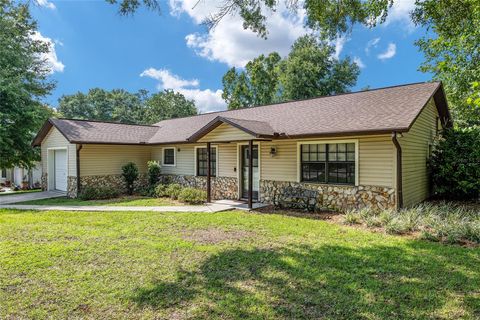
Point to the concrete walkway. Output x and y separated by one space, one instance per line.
217 206
14 198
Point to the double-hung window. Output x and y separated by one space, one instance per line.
202 164
328 163
4 173
168 157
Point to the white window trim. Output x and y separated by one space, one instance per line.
239 169
195 159
174 157
299 162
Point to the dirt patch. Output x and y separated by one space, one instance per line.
216 235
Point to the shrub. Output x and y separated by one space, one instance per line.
373 221
153 171
192 196
130 174
173 190
396 226
352 217
98 193
455 164
161 191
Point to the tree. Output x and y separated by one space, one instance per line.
167 105
23 82
130 175
309 70
255 86
122 106
451 43
453 54
98 104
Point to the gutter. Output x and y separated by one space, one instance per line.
399 173
80 146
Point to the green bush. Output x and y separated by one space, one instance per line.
161 191
173 190
130 174
98 193
455 164
192 196
153 171
353 217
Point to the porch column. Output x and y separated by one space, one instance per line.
250 174
209 193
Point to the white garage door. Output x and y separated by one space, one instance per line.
61 170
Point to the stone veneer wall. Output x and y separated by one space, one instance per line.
222 187
113 181
335 197
71 185
44 182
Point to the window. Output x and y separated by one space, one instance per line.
328 163
202 161
169 156
4 173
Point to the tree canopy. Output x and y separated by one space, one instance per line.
309 70
122 106
23 82
451 44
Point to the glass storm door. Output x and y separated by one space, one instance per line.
256 178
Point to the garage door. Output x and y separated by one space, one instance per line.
61 170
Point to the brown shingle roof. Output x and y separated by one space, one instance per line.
366 112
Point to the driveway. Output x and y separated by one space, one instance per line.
14 198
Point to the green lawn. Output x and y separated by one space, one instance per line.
122 201
19 192
230 265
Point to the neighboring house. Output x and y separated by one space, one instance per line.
18 175
359 149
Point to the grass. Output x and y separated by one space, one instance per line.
230 265
442 221
19 192
122 201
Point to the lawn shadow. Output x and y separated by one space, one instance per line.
330 281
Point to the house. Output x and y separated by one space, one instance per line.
360 149
17 175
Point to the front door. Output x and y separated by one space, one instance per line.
244 178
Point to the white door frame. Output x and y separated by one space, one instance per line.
239 168
51 166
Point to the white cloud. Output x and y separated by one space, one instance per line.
400 12
206 100
389 53
339 44
50 58
359 62
371 44
229 42
45 4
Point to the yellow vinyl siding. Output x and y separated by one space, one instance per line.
415 148
54 139
227 160
185 159
225 132
376 160
109 159
281 167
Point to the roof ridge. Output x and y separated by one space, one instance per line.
305 99
112 122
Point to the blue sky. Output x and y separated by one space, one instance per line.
93 46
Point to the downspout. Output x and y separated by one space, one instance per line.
398 171
80 146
